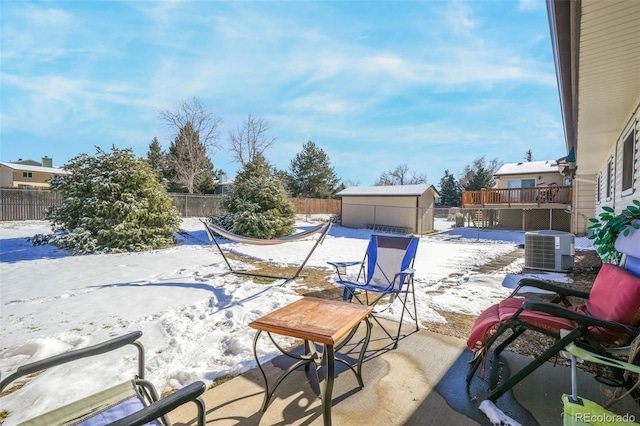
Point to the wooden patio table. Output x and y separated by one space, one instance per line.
327 322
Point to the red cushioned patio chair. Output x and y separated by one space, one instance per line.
608 318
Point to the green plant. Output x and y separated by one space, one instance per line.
609 225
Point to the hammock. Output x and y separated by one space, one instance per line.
260 242
213 230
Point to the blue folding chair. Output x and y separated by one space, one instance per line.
386 270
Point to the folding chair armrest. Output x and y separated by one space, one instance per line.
408 271
560 311
165 405
345 264
549 286
599 359
97 349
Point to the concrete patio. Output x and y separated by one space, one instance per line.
422 382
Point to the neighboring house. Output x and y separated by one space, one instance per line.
24 174
400 207
596 47
535 186
223 185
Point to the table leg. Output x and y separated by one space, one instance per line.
326 386
363 350
305 360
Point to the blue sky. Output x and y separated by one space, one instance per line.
375 84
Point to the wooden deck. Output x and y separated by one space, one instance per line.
537 197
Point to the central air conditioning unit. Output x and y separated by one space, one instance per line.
549 250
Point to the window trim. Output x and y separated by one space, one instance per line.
628 162
610 178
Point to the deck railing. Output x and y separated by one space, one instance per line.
538 196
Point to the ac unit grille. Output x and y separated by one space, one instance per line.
549 250
539 252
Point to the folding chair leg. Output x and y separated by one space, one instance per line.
405 307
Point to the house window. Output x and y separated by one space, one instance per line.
609 178
628 154
27 174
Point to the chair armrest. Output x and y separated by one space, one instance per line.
165 405
341 267
562 312
549 286
345 264
408 271
599 359
97 349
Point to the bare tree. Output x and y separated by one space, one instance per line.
205 123
250 140
197 132
401 176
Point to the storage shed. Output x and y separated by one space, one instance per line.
397 208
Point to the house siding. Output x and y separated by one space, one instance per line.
620 199
542 179
584 203
12 176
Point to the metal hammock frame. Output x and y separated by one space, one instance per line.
213 230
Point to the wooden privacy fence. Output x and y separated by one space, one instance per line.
30 204
26 204
316 206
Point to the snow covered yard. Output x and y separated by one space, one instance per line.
193 314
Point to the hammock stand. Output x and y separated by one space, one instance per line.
213 230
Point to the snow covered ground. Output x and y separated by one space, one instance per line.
193 315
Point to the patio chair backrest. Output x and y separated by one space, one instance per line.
615 295
629 245
388 256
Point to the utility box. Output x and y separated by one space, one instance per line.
549 250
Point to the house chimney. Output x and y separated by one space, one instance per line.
47 162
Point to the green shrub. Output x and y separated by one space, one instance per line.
258 204
111 202
609 225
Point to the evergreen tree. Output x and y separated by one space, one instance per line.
157 159
479 173
528 157
189 167
481 179
258 204
112 202
450 191
311 174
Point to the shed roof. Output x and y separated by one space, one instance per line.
549 166
28 168
388 190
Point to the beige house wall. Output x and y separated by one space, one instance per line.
6 176
15 178
545 179
584 204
